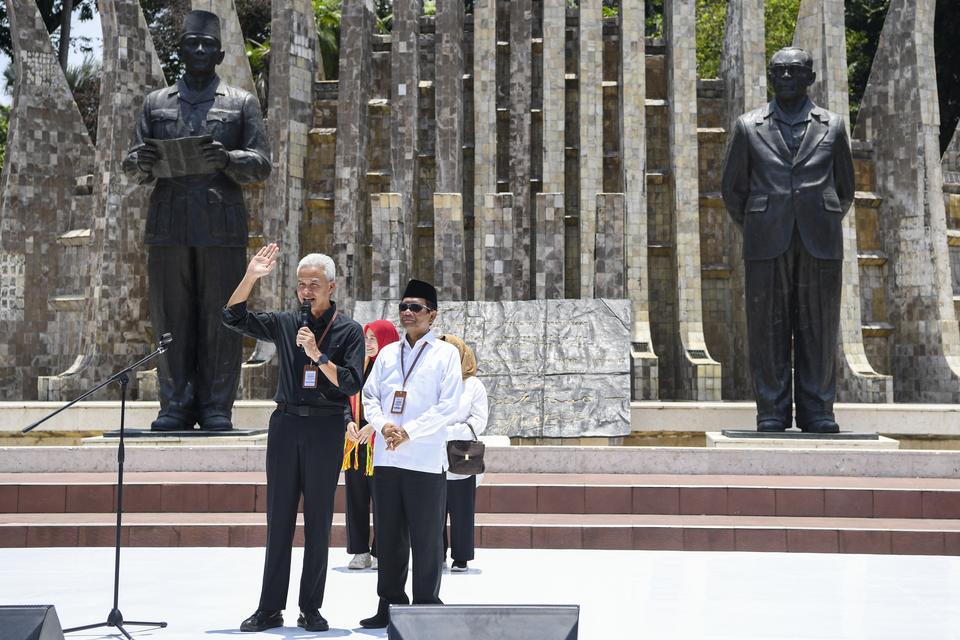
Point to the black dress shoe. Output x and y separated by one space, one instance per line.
822 426
216 423
379 621
262 620
771 426
312 621
169 423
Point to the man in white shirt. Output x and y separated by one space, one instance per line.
410 397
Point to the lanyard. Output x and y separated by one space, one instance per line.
327 330
406 375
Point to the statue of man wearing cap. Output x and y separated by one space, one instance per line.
197 225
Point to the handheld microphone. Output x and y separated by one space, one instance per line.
305 315
165 341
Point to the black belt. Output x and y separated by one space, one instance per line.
305 411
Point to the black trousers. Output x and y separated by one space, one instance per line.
462 509
359 495
794 300
410 508
303 457
199 373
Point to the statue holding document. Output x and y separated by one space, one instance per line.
197 141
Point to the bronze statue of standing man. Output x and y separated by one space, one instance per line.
197 225
787 182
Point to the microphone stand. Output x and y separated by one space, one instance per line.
114 618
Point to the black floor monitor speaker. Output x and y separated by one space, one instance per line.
30 622
483 622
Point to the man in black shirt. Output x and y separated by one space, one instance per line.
321 366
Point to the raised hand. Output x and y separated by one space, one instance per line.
264 262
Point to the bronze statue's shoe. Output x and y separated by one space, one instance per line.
262 620
216 423
168 423
822 426
771 426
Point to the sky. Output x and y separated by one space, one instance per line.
90 29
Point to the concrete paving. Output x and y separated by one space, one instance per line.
205 593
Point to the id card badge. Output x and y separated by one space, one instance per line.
399 401
310 376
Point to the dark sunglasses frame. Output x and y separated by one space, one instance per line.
416 307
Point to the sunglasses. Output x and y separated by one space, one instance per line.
413 306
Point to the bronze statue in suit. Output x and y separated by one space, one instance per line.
197 227
787 182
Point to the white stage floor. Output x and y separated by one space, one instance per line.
205 593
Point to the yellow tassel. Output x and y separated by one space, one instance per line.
369 469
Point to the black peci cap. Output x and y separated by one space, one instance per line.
203 23
421 289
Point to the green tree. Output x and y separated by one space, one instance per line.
4 121
52 13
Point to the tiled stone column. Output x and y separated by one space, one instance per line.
554 94
548 270
235 68
116 321
699 373
521 80
390 259
47 150
449 96
404 114
743 69
609 267
633 142
485 129
590 76
292 68
448 253
356 28
951 200
820 31
926 350
498 252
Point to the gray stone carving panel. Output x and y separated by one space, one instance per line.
552 368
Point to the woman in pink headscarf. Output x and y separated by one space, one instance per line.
358 456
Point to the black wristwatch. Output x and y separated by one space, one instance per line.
323 359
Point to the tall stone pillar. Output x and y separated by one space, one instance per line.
590 74
699 372
292 68
498 252
404 114
633 143
743 69
449 96
521 81
390 258
448 253
350 186
609 267
484 130
548 271
554 94
820 31
116 319
235 68
900 116
48 148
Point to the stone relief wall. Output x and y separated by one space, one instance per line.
538 152
552 368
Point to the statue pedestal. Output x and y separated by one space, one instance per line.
145 437
735 439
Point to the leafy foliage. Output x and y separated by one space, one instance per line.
4 121
51 11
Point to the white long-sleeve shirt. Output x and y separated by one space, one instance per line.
433 391
473 411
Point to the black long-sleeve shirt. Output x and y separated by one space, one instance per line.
343 345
